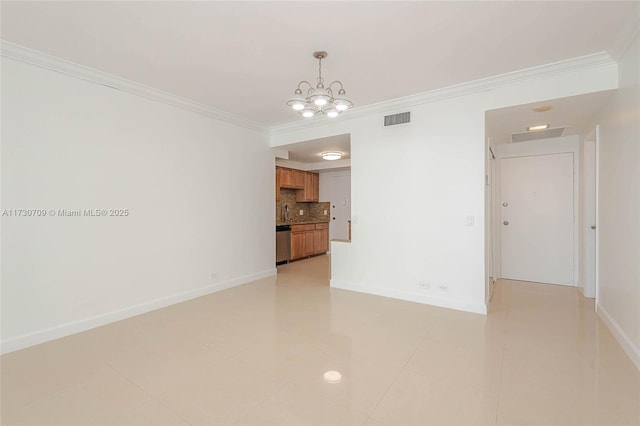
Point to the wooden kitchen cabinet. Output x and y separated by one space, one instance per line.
311 190
298 179
286 177
309 239
321 238
297 245
308 243
278 183
291 178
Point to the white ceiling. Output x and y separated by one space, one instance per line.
309 151
577 112
246 58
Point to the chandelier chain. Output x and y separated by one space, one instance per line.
320 79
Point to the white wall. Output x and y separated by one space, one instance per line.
200 195
618 294
414 185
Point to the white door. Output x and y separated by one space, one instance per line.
589 260
537 214
340 207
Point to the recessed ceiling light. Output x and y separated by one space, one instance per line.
539 127
331 155
543 108
332 377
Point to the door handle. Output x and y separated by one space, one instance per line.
506 222
593 227
333 218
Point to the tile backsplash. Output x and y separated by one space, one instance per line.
312 212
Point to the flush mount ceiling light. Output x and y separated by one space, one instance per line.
319 99
331 155
540 127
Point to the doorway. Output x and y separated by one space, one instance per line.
340 198
537 218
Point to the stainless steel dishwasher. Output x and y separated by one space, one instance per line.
283 244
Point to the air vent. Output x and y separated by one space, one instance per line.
392 120
537 134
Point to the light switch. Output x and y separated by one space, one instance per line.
301 212
325 212
470 220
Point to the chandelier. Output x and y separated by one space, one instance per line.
320 99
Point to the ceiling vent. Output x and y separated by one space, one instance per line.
538 134
392 120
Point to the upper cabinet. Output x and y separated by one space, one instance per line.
310 192
291 178
307 183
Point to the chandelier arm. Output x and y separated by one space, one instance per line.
330 92
336 82
305 82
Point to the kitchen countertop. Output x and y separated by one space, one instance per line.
308 222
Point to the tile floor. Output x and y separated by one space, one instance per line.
255 355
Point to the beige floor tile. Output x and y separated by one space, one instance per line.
373 422
255 354
297 405
418 399
151 413
478 367
37 372
99 400
218 393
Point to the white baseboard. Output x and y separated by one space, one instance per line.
627 345
56 332
459 305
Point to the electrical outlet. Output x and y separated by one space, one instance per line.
213 276
425 285
444 288
325 212
301 212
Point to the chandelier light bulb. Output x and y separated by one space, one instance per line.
320 96
340 107
332 112
307 113
298 106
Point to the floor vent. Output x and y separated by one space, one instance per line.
392 120
537 134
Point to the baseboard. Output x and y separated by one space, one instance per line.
56 332
442 302
627 345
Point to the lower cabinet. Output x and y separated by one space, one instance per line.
297 245
310 239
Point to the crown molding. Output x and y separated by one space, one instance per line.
485 84
42 60
33 57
